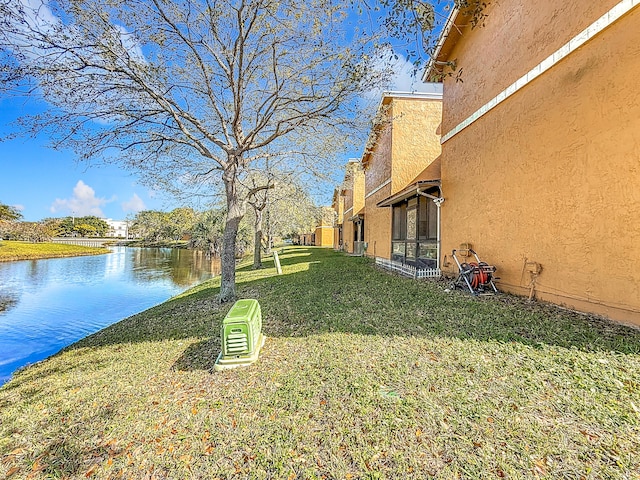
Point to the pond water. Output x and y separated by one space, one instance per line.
46 305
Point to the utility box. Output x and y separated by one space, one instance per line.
241 334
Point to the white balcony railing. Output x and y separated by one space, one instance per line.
408 270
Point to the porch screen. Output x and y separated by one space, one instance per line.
414 232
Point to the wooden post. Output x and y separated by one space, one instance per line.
276 260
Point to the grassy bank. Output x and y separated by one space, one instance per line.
364 375
10 251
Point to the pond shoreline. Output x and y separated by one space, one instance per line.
13 251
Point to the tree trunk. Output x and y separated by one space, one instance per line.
235 212
269 235
257 244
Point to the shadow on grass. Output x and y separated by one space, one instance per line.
323 291
200 355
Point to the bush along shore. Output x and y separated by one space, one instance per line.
364 374
12 251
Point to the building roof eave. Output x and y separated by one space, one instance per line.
411 191
357 217
448 35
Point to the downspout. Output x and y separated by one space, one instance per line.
438 201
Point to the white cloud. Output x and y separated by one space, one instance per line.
28 21
131 44
404 77
84 202
38 14
407 77
135 204
35 16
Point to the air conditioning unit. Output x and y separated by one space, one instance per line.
242 336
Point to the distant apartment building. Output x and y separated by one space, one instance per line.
351 199
338 207
118 228
323 234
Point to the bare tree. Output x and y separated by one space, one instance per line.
258 200
190 93
290 211
267 187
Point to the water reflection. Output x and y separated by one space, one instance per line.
46 305
36 271
183 267
7 300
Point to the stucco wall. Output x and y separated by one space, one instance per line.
415 139
348 203
528 32
551 175
347 232
338 208
358 190
353 203
324 236
404 147
378 166
347 225
377 225
377 228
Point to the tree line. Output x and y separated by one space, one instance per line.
281 211
12 228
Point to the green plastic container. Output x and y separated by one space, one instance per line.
241 333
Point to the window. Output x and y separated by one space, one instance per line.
427 219
411 251
415 232
397 253
433 219
399 222
423 218
427 255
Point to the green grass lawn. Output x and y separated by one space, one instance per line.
363 375
10 251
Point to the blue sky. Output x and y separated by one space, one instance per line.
42 182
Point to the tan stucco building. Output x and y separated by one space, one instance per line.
322 235
540 166
338 207
351 193
404 142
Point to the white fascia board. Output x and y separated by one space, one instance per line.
619 10
451 20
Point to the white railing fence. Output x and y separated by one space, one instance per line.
408 270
